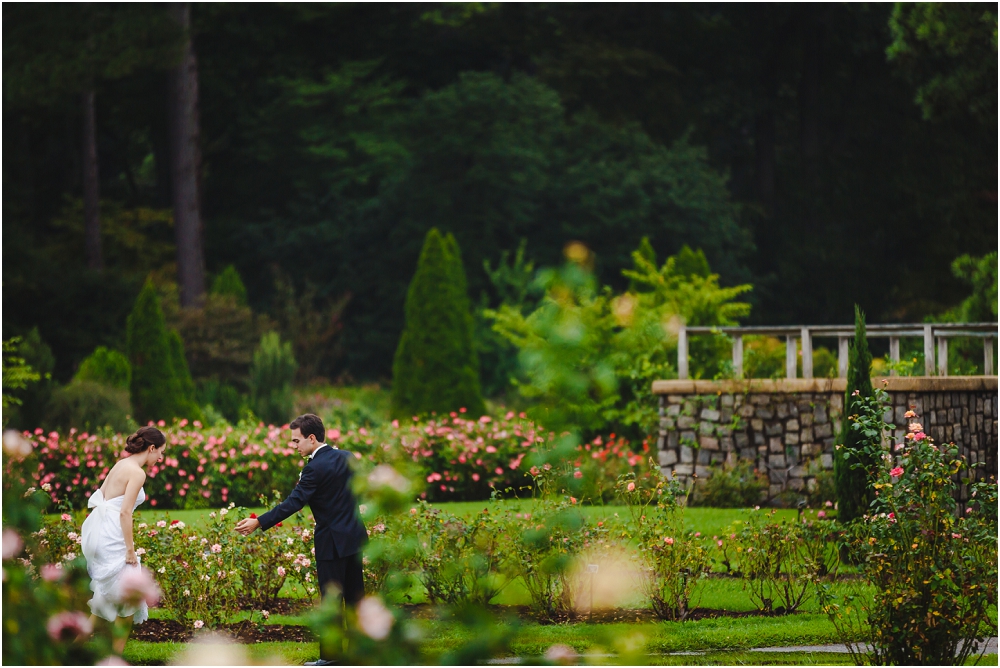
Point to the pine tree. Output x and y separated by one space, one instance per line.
155 387
853 494
435 368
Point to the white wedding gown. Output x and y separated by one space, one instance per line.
103 544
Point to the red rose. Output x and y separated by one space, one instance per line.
173 522
253 516
279 524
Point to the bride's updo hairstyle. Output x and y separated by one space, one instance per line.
143 439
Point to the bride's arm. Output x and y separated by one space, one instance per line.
135 482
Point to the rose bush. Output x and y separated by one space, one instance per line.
670 558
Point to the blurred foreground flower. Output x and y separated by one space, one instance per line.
137 584
386 476
561 654
374 618
68 626
12 544
15 445
212 649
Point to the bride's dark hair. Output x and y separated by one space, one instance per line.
144 438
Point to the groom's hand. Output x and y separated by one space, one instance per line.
247 526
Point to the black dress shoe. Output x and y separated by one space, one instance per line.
320 662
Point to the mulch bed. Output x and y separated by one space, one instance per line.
168 630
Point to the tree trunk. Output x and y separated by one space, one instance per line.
91 186
185 166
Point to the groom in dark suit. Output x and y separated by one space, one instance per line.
324 484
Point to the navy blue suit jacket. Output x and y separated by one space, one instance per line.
325 484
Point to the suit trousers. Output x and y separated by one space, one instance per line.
347 574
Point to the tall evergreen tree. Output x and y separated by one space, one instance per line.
853 494
435 367
155 387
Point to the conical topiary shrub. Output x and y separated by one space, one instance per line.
229 284
155 390
435 368
853 494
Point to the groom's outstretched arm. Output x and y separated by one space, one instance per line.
294 503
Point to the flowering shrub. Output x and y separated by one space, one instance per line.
780 562
467 459
671 559
934 569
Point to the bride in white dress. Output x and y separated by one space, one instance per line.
107 540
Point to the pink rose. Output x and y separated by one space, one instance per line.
631 487
668 540
896 472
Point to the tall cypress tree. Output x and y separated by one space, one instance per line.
186 404
155 388
435 368
853 494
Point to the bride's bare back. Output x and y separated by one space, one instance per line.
119 477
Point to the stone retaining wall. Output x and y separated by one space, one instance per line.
788 427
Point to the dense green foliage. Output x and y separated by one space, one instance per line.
949 51
88 405
436 368
335 136
17 374
854 496
271 376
